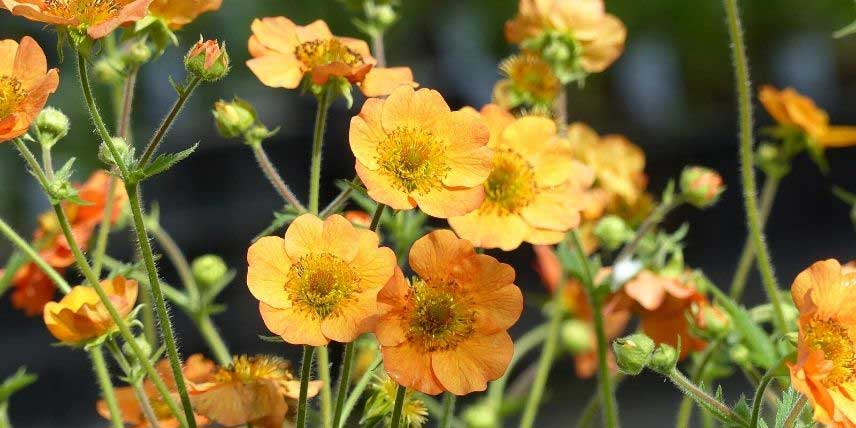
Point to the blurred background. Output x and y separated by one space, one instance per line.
671 93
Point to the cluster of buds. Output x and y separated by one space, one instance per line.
636 352
238 119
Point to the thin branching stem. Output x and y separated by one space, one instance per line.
305 374
398 406
275 178
164 127
102 375
747 256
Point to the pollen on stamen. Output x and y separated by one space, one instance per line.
511 185
320 283
440 320
833 339
315 53
529 73
11 95
86 11
413 159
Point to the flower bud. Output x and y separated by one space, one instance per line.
358 218
50 126
612 232
109 70
701 186
233 118
710 319
664 359
142 343
739 354
208 269
480 416
123 149
632 353
139 53
577 336
207 60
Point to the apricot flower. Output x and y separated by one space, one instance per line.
25 83
98 17
792 109
178 13
618 164
321 282
80 315
412 150
533 193
825 296
445 329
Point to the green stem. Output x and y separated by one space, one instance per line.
104 229
685 409
647 225
275 178
359 387
178 259
340 199
33 164
747 256
305 374
215 342
758 401
100 127
47 161
398 406
124 122
701 396
160 306
157 138
136 384
522 346
378 214
344 382
99 366
448 410
326 394
743 83
33 256
795 412
324 101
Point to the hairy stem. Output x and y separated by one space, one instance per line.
323 355
33 256
324 101
359 387
522 346
157 138
398 406
275 178
214 340
647 225
791 420
100 127
448 410
747 256
305 374
344 382
99 366
701 396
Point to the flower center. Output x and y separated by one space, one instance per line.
532 75
11 95
319 283
414 159
316 53
246 369
85 11
440 319
831 338
511 184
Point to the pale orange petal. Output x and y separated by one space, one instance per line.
381 81
303 236
276 33
294 326
405 108
437 254
490 230
268 271
381 189
366 133
838 136
468 159
448 202
473 363
277 71
411 367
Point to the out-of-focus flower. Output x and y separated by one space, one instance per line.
80 315
321 282
98 17
196 370
252 390
358 218
701 186
445 330
534 192
283 53
618 164
32 290
380 404
412 150
662 302
791 109
528 81
596 38
178 13
825 295
207 59
25 84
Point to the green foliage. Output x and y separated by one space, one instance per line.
161 163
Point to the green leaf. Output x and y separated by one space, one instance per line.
166 161
786 405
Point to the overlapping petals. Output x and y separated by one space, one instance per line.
81 316
98 17
25 84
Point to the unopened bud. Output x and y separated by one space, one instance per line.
701 186
480 416
139 53
109 70
577 336
106 155
612 232
208 60
664 359
209 269
50 126
233 118
739 354
632 353
711 319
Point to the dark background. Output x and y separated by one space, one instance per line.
671 93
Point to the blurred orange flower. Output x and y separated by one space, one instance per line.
253 390
445 330
32 290
600 36
283 53
80 315
412 150
825 296
534 192
98 17
197 369
178 13
662 303
790 108
529 80
618 164
321 282
25 84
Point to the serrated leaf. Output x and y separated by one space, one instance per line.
166 161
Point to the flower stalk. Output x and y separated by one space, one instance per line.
747 256
102 375
398 406
275 179
324 101
448 410
305 374
164 127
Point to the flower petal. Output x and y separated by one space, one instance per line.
294 326
268 271
382 190
448 202
411 367
473 363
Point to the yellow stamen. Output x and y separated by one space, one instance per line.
316 53
249 369
529 73
11 95
413 159
831 338
440 319
320 283
511 185
85 11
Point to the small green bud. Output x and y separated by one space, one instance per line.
701 186
234 118
612 232
139 53
577 336
208 60
632 353
664 359
385 15
257 134
124 151
109 70
50 126
208 269
739 354
480 416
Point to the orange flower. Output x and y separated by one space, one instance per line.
98 17
825 296
358 218
445 330
529 80
32 290
792 109
80 315
412 150
197 369
600 36
178 13
25 83
618 164
253 390
534 192
321 282
662 302
284 53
